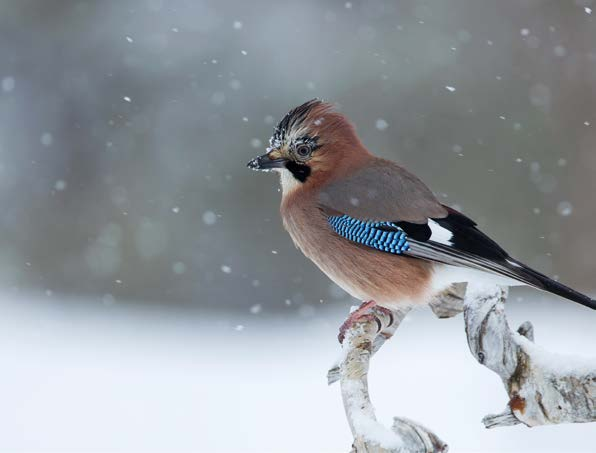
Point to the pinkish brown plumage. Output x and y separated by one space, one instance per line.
328 177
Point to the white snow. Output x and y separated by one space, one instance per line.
558 364
560 51
60 185
381 124
209 218
226 269
364 422
127 99
565 208
179 268
81 375
8 84
46 139
237 25
588 10
450 88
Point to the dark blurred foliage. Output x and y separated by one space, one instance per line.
125 127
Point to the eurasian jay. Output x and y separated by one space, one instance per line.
374 228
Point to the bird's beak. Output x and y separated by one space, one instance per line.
268 161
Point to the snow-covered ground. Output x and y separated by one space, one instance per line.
82 376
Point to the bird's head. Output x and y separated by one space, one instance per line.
309 145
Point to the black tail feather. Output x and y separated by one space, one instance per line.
541 281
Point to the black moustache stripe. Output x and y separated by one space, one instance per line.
300 171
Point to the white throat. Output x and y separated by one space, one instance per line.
288 182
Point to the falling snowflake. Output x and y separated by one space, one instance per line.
560 51
381 124
60 185
209 218
179 268
8 84
564 208
46 139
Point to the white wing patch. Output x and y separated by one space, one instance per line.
440 234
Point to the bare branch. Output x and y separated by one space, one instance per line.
386 332
450 302
544 388
361 340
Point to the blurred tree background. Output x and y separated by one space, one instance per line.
125 127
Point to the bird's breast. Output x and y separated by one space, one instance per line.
363 272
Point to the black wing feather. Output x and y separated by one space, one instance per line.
469 247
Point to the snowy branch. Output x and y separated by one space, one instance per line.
361 341
543 387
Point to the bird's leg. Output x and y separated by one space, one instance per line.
365 310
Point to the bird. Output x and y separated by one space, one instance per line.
374 228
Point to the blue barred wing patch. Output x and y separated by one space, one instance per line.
384 236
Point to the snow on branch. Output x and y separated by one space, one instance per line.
361 340
543 387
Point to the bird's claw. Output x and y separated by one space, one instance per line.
365 311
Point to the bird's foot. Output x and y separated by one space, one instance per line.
364 311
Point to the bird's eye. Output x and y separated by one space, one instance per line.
303 151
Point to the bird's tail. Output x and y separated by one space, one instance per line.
527 275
